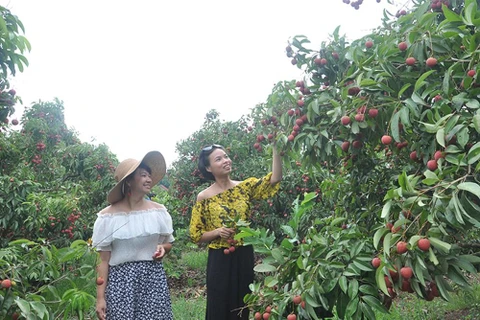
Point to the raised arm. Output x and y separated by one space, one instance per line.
276 167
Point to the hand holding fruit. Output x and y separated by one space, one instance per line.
225 233
158 255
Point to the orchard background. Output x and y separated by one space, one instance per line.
381 191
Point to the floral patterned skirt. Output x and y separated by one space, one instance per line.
138 290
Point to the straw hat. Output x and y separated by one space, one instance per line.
153 159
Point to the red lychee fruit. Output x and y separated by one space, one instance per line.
386 140
413 155
376 262
369 44
7 283
357 144
471 73
432 165
402 46
410 61
297 299
438 155
373 113
292 316
424 244
431 62
345 120
359 117
402 247
406 272
100 281
345 146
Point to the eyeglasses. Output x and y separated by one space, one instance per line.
208 148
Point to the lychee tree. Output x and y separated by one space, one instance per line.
12 47
396 114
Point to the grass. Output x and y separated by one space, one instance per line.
195 260
188 308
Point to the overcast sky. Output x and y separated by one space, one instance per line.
141 75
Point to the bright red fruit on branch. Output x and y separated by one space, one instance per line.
424 244
432 165
376 262
406 272
431 62
410 61
402 46
373 112
297 299
386 140
401 247
7 283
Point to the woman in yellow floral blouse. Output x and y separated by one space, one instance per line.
229 270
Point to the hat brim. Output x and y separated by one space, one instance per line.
154 160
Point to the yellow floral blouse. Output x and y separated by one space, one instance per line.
212 213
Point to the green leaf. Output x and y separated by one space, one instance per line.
440 245
264 267
352 307
394 126
380 278
386 243
22 304
474 153
473 104
476 122
403 89
375 303
353 288
386 209
471 187
432 257
421 81
277 255
343 284
450 15
39 308
378 236
441 137
442 286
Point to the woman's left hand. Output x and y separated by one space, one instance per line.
158 255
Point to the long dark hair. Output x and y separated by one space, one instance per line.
204 162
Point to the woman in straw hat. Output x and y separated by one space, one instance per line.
132 235
230 265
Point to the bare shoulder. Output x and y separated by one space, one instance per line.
109 209
156 205
205 193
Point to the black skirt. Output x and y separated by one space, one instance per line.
228 278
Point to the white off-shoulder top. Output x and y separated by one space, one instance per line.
132 236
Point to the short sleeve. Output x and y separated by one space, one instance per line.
197 226
262 188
